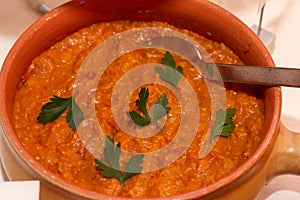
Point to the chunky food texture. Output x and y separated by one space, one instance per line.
59 149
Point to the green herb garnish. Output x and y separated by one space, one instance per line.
57 105
210 69
111 168
172 74
138 119
160 109
224 123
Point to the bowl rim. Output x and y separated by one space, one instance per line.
41 172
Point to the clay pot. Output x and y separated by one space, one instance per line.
276 154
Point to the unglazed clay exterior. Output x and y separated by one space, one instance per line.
197 15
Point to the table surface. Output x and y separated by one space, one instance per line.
281 17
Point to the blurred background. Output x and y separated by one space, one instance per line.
281 31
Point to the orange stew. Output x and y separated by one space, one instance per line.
59 149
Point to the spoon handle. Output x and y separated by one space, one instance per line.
261 75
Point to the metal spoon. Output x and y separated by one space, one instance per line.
261 75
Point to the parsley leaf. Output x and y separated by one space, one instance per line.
133 166
141 103
160 109
57 105
210 69
223 125
171 74
111 168
139 120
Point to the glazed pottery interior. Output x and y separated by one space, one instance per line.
197 15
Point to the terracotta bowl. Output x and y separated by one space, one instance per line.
274 156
